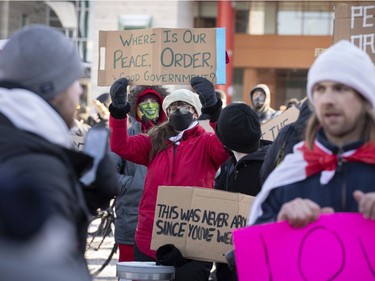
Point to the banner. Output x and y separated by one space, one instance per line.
199 221
162 56
338 246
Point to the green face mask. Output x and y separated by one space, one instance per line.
149 108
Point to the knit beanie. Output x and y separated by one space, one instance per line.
183 95
41 59
238 128
344 63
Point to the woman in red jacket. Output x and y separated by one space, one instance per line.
178 152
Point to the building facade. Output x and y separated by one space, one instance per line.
273 42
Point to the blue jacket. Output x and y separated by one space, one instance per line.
337 193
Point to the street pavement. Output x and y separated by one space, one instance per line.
96 258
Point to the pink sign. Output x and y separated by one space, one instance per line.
336 247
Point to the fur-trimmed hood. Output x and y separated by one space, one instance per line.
138 91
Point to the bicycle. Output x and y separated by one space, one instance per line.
100 240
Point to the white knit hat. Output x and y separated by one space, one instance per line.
183 95
344 63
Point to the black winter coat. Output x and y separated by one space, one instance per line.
337 193
55 172
243 176
288 136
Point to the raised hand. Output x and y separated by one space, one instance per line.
118 92
205 90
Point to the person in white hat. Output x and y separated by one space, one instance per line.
334 168
178 152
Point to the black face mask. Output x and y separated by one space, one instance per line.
180 121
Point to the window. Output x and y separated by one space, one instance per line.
305 18
24 20
284 18
201 22
84 26
237 84
130 22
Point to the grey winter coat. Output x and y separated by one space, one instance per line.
131 178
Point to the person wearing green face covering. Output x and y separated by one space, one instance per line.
146 112
148 109
145 102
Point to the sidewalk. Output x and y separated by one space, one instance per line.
96 258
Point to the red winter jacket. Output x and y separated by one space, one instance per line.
193 162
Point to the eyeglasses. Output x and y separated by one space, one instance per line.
185 108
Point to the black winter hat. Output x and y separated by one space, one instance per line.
238 128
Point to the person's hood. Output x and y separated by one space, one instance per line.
29 112
139 91
267 102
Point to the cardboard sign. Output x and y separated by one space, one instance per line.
338 246
318 51
162 56
271 129
356 23
198 221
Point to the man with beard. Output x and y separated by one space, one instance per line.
333 170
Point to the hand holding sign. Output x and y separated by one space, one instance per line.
162 56
300 212
119 94
205 90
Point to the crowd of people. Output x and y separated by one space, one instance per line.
321 163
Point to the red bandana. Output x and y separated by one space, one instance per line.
321 160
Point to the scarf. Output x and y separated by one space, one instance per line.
303 163
29 112
323 160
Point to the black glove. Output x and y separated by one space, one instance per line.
118 93
205 90
231 261
168 254
105 187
